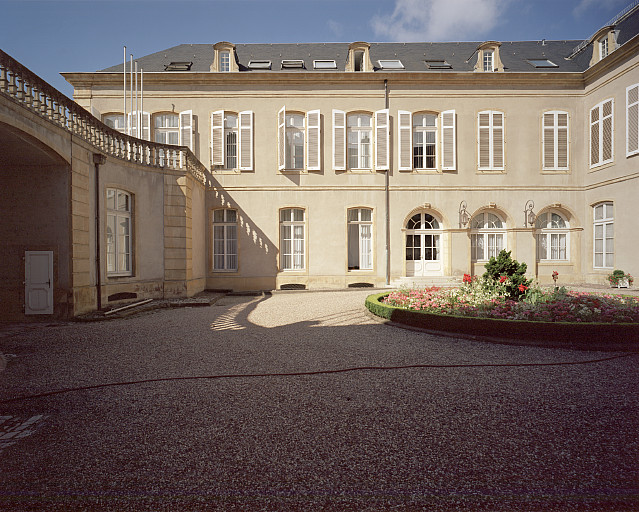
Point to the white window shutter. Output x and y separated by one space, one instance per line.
313 140
131 130
186 129
607 132
382 145
632 120
217 137
594 136
246 140
339 140
562 140
146 126
498 140
281 138
449 136
548 140
405 140
483 140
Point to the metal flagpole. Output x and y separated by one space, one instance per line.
142 100
137 110
131 95
124 109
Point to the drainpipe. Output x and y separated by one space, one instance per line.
387 199
98 160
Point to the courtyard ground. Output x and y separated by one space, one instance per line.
302 401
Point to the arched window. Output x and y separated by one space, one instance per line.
487 236
424 141
552 237
360 135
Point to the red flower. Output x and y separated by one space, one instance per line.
503 279
468 278
555 273
522 288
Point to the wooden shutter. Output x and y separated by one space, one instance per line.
483 139
632 120
405 140
449 150
339 140
382 145
146 126
186 129
594 136
281 139
246 140
217 138
549 140
562 140
607 134
498 140
313 140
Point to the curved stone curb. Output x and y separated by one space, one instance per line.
582 336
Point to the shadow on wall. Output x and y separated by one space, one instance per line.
256 263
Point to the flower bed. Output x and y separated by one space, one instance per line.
582 335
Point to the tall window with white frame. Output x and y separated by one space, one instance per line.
360 239
604 236
552 237
424 141
292 239
555 141
225 61
167 129
295 129
488 60
225 254
603 47
487 237
601 133
491 140
118 232
115 121
230 141
360 134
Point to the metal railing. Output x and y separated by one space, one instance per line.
25 87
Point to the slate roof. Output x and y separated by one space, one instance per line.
462 57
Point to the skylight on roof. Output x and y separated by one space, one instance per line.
259 64
178 66
437 64
324 64
542 63
390 64
292 63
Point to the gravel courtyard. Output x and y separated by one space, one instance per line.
301 401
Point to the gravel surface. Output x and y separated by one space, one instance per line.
302 401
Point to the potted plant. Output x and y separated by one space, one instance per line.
619 279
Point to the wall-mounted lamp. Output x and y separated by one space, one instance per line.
529 214
464 217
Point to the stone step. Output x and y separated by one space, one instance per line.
427 282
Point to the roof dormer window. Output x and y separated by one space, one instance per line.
488 59
324 64
604 42
542 63
259 64
292 64
437 64
603 47
178 66
224 60
359 57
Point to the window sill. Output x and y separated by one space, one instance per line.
220 271
555 171
599 167
118 275
226 171
491 171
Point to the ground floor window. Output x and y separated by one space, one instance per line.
604 236
487 236
360 237
118 232
225 240
552 237
292 239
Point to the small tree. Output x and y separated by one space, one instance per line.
504 266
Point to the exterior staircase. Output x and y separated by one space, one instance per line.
426 282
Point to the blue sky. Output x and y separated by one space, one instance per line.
53 36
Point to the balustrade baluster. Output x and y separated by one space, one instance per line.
36 99
28 94
11 89
19 88
4 82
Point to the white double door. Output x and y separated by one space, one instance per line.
423 253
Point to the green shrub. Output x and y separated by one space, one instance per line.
516 283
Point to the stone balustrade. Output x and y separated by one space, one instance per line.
25 87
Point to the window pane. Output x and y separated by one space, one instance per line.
366 214
353 246
298 214
218 216
353 215
285 215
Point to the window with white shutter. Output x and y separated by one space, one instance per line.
224 140
601 133
490 141
449 144
281 139
382 155
405 127
246 140
555 139
186 129
313 156
217 138
339 140
632 120
134 119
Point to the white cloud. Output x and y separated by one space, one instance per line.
439 20
588 5
335 27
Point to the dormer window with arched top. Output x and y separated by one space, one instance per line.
359 57
604 42
488 59
224 58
